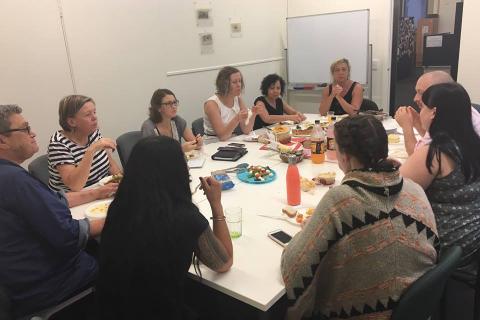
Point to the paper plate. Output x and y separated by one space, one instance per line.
98 210
245 177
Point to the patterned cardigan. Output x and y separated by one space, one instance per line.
367 241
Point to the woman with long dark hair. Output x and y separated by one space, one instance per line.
359 252
449 167
151 231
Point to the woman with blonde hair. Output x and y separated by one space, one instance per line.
342 96
78 155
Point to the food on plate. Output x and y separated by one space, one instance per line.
282 134
309 211
189 155
393 138
299 218
280 129
290 212
302 130
325 178
259 173
98 210
306 184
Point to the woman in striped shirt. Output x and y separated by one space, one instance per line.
78 155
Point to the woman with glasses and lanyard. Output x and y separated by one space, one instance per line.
164 121
78 155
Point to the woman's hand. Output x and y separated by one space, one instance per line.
243 115
189 145
106 191
199 140
212 189
102 144
336 90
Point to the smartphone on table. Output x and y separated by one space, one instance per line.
280 237
236 145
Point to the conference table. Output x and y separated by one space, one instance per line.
255 277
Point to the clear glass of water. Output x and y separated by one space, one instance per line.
233 215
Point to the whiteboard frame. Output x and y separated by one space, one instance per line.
368 63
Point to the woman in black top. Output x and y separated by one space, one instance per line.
273 88
151 231
342 96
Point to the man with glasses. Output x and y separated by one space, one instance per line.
42 261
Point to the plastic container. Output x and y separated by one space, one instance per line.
293 183
317 143
331 154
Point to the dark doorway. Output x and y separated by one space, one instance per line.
411 22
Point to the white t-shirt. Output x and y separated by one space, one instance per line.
226 114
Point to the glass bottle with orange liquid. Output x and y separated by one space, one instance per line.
331 154
317 143
293 182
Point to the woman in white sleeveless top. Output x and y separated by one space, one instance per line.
226 110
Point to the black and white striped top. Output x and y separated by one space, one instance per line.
62 150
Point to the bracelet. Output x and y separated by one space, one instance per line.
222 218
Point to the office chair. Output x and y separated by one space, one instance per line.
422 299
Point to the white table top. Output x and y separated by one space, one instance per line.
255 276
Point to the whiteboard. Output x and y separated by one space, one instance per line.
314 42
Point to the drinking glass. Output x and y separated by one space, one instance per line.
233 215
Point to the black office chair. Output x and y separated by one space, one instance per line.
197 126
472 281
125 144
39 168
422 299
368 104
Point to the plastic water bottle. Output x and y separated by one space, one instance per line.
331 154
317 143
293 182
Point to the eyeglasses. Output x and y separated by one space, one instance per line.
27 130
171 104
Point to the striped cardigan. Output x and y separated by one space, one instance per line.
367 241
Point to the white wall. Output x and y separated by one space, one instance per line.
380 35
33 64
446 13
121 52
469 64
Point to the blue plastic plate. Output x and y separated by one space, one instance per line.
244 176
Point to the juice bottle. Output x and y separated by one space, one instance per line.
317 143
331 154
293 182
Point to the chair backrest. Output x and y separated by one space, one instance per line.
368 104
423 297
476 106
39 168
125 144
197 126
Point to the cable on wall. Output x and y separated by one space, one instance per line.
67 48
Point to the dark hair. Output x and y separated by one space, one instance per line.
156 103
269 81
365 138
451 129
137 239
68 108
223 80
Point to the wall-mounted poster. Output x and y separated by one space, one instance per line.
206 43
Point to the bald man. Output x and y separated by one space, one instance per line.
408 118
